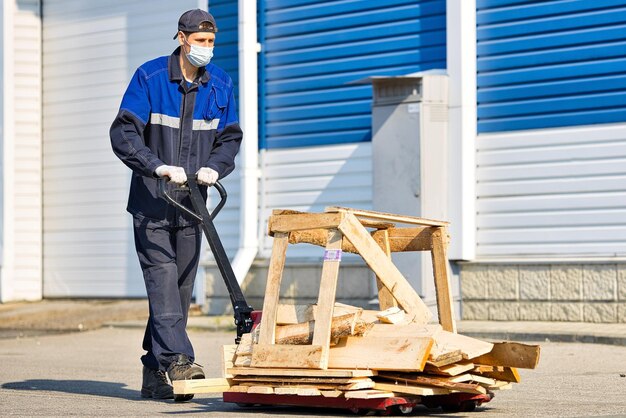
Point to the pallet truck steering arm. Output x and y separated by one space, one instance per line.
242 311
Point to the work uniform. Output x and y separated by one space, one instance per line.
166 120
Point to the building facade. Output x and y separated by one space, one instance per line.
536 144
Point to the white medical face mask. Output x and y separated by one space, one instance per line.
199 56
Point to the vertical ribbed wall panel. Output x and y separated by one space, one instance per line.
551 63
226 57
27 200
313 50
311 178
552 193
91 49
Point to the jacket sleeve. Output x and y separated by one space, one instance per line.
127 129
227 140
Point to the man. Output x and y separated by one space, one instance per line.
178 116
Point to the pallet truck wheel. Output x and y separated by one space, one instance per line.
183 398
405 409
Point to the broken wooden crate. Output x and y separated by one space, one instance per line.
334 350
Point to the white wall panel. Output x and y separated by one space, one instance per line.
91 50
311 178
555 193
22 200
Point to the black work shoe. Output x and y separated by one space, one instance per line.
155 385
184 369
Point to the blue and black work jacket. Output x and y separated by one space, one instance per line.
164 119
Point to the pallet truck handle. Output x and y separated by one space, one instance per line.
218 186
242 311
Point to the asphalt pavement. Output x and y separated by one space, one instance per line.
57 370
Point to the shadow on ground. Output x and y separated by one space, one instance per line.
81 387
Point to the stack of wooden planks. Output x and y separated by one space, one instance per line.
372 355
331 350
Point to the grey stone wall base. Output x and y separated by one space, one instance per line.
544 292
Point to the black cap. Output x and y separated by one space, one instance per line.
196 20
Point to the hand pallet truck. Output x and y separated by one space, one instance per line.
246 319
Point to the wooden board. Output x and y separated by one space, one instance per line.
369 214
385 298
393 315
468 377
368 394
300 391
287 356
238 389
446 342
228 359
442 281
245 345
405 330
385 270
251 371
326 299
288 223
411 389
422 380
449 370
243 361
391 353
337 381
511 354
366 223
262 390
272 289
508 374
289 314
446 360
214 385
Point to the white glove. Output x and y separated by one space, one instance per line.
175 174
207 176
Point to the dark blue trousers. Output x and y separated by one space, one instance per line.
169 259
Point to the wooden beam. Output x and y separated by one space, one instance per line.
366 223
393 353
251 371
326 298
368 214
385 298
442 281
289 356
388 273
400 239
341 326
511 354
214 385
393 315
289 223
272 289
